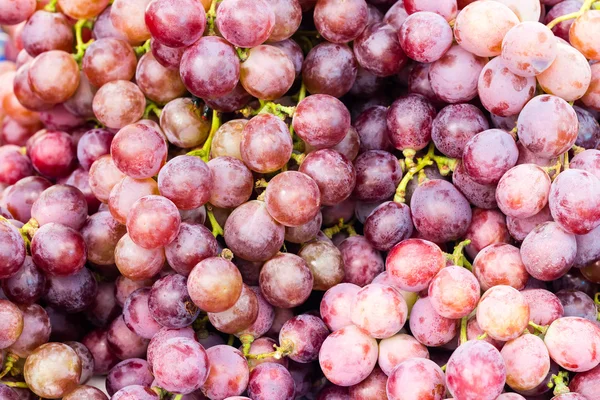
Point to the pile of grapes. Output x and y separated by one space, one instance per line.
300 199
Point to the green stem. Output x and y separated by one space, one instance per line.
444 367
160 391
302 92
482 336
178 397
261 183
21 385
286 348
340 226
204 152
11 359
216 228
211 16
587 4
230 340
458 257
539 328
80 46
299 158
152 107
596 5
409 158
463 330
577 149
400 196
143 49
51 6
242 53
560 383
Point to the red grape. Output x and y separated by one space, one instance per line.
572 343
181 365
425 36
321 120
245 23
266 143
397 349
430 328
137 314
292 198
108 60
336 303
277 82
215 284
240 316
285 280
379 310
228 374
118 104
340 21
175 23
362 263
418 378
409 122
503 313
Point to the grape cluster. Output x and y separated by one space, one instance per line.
300 199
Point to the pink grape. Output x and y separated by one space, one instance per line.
270 381
454 126
285 280
527 362
340 22
228 374
139 150
488 155
454 292
430 328
186 181
362 263
266 144
193 244
418 378
413 263
380 310
529 48
409 122
487 227
321 120
280 78
425 36
190 17
503 313
336 303
238 317
378 50
523 191
153 222
500 264
181 365
292 198
333 173
245 23
325 263
215 284
397 349
581 34
306 334
572 343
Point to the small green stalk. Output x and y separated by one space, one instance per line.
587 4
284 350
20 385
211 17
247 341
204 152
11 359
540 329
51 6
80 46
463 330
152 108
340 226
143 49
217 230
560 383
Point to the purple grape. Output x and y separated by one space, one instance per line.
72 293
137 314
170 304
134 371
270 381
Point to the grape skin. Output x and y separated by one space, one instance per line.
570 342
418 378
503 313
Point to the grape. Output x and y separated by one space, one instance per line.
271 381
252 234
481 26
574 280
379 310
277 82
388 224
93 144
35 37
125 193
262 346
409 122
416 378
182 124
12 320
245 23
425 36
85 392
454 126
396 15
305 334
340 21
500 264
13 132
72 293
454 292
108 60
544 306
170 304
62 204
104 175
36 331
238 317
16 12
20 197
292 198
62 260
476 370
25 94
54 76
320 120
186 181
190 22
502 92
378 50
519 228
52 370
101 232
127 17
119 103
135 262
430 328
587 248
329 69
529 48
569 75
123 342
288 15
104 359
325 263
582 33
285 280
344 210
204 73
168 57
306 232
585 383
527 362
82 9
158 83
232 101
164 334
592 97
229 372
589 129
27 285
348 356
193 244
435 201
264 319
413 263
137 392
576 213
523 191
334 392
291 49
547 126
137 314
487 227
226 141
139 150
528 10
104 307
488 155
335 305
503 313
571 342
134 371
397 349
13 250
14 166
53 154
362 263
153 222
577 304
266 143
377 175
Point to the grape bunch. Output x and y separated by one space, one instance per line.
300 199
